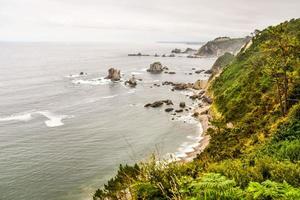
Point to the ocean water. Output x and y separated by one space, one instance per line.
63 135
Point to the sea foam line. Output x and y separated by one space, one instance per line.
53 120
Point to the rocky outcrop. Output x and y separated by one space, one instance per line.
182 86
155 68
221 45
132 82
199 71
158 103
176 50
114 74
189 51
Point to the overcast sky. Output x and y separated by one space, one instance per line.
138 20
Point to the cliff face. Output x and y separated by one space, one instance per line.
221 45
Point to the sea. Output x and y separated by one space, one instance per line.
63 135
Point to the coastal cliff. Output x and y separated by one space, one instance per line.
221 45
254 146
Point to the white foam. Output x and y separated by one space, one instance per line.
95 81
136 73
19 117
187 119
75 75
53 120
131 92
187 93
144 69
109 97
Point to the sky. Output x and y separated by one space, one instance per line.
138 20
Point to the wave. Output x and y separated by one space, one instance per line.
95 81
53 119
109 97
136 73
20 117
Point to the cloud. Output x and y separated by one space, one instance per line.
136 20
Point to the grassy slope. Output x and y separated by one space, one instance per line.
256 159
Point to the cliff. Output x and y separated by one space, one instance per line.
221 45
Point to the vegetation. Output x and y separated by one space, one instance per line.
257 157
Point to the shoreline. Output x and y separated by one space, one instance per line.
203 118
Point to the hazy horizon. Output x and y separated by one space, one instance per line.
137 21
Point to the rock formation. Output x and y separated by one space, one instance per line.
155 68
131 82
114 74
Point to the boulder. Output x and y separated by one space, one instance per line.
81 73
172 55
179 110
196 114
157 104
182 104
172 72
169 109
114 74
155 67
207 99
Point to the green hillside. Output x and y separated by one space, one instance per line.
254 149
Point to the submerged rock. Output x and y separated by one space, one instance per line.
199 71
114 74
155 67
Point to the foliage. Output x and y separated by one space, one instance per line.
210 186
269 190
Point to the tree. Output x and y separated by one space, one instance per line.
280 54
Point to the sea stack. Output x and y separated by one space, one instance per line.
114 74
155 68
